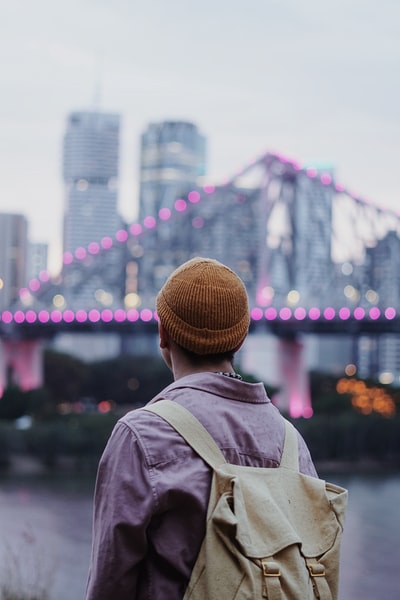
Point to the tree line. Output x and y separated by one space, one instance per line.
73 414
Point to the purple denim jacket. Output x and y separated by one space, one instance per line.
152 490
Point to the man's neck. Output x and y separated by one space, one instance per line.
182 366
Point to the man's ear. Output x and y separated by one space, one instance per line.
164 337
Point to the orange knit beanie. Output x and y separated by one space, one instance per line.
203 305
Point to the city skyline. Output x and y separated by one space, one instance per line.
309 81
282 229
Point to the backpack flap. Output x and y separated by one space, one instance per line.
280 521
271 510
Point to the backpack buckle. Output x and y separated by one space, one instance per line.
316 570
270 568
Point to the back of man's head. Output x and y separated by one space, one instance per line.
203 305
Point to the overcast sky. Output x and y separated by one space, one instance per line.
315 80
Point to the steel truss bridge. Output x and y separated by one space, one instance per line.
315 258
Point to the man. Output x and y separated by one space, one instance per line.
152 490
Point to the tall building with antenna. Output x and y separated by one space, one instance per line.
90 172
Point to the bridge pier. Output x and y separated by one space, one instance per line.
21 363
280 361
294 396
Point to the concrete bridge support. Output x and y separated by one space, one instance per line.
280 361
21 363
294 396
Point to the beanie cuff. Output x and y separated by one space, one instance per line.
201 341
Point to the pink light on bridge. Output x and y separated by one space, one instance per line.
314 313
359 313
67 258
390 313
311 172
374 313
106 242
256 313
146 315
93 248
34 285
180 205
135 229
326 179
209 189
300 313
329 313
164 214
80 253
132 315
107 315
344 313
68 316
6 316
271 314
339 188
81 316
56 316
30 316
44 276
19 316
194 197
149 222
121 235
120 315
44 316
285 314
94 315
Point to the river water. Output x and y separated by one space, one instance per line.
45 535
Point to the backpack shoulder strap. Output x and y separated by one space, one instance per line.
193 432
290 453
190 429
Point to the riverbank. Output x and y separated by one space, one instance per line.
24 465
346 441
363 467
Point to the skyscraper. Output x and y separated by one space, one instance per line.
172 160
13 253
379 356
90 171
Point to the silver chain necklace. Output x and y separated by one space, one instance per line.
228 374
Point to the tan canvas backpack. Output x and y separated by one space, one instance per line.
271 532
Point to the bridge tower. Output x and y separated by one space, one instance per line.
21 363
